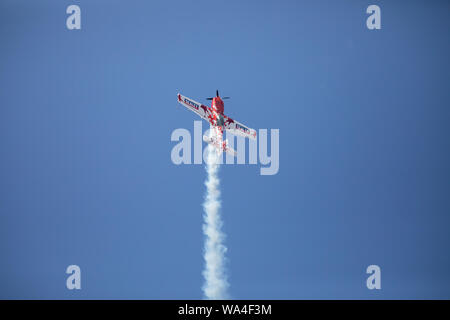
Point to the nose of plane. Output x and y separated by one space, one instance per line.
218 104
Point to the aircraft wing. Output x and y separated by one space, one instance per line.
200 109
238 129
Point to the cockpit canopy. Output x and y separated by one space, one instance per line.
220 120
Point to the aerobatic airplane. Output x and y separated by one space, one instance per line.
219 122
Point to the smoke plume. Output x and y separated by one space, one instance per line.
216 284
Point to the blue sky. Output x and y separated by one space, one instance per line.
86 176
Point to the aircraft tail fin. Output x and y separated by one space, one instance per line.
229 150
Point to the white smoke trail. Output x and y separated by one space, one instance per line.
216 284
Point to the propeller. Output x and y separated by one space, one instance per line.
217 95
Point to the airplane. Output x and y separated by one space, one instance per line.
218 121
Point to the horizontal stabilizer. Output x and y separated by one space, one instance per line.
220 146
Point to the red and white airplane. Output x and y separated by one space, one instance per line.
219 122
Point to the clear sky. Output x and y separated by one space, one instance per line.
86 176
